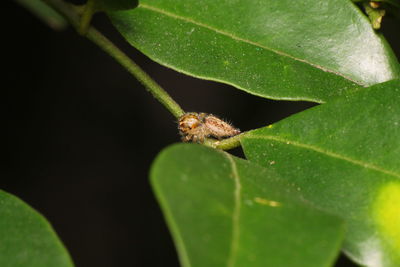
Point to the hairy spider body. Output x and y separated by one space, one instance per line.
195 127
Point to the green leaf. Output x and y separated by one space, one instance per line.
26 238
297 50
344 156
44 13
225 211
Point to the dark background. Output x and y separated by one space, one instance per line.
81 134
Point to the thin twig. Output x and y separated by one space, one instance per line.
71 14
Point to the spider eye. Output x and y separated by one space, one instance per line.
189 122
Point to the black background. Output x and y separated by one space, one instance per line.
81 134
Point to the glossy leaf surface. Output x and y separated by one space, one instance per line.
225 211
304 50
26 238
345 158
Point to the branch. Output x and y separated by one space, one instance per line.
70 13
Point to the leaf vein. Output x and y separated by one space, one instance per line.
327 153
236 213
237 38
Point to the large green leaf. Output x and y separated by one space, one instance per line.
299 50
344 156
26 238
225 211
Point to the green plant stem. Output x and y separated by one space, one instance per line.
71 14
159 93
86 17
229 143
44 13
106 45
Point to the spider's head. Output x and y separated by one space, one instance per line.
189 121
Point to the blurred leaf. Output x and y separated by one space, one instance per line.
26 238
225 211
44 13
344 156
299 50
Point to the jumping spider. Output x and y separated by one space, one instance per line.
195 127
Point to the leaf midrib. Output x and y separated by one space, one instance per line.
235 214
326 152
234 37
